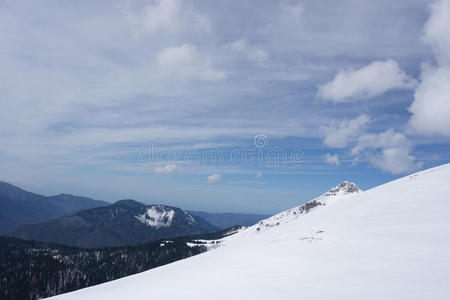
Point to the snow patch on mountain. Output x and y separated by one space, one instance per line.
157 216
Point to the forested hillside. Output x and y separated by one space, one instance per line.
34 270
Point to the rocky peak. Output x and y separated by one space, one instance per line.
343 188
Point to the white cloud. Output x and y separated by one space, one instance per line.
184 62
431 106
167 16
253 53
436 31
369 81
214 179
259 175
339 135
395 161
165 170
332 159
389 151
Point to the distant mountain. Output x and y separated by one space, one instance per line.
225 220
127 222
19 207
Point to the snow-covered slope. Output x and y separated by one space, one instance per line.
390 242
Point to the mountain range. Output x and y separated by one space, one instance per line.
19 207
388 242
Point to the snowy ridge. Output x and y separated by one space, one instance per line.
341 191
157 216
389 242
344 190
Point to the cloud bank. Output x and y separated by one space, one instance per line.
87 86
431 107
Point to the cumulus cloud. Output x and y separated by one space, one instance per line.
431 107
184 62
389 151
167 16
214 179
332 159
165 170
374 79
253 53
339 135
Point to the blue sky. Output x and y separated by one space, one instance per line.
359 88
